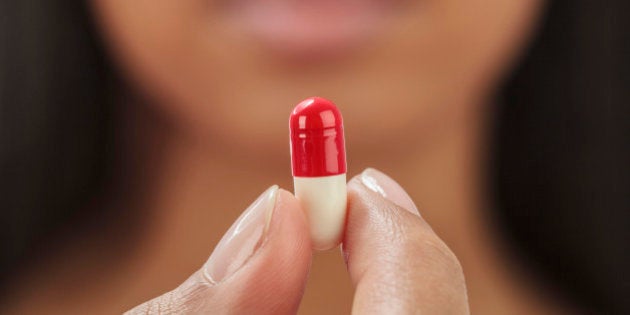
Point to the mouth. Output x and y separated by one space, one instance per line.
313 28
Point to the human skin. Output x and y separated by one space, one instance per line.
396 262
207 104
425 61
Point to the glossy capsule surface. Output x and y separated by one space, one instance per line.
318 159
317 139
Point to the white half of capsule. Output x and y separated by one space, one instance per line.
324 200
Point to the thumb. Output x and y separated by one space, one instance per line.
397 263
259 266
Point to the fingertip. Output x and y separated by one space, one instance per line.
274 278
289 220
259 267
287 198
385 186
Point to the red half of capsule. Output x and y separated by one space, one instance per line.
317 142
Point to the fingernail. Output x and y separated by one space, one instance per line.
388 188
242 239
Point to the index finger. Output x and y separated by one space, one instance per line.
396 262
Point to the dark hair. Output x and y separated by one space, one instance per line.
55 110
559 167
561 154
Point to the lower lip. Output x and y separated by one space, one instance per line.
314 28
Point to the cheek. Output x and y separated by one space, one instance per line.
439 64
154 43
486 37
179 56
462 48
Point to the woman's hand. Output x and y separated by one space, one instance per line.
396 262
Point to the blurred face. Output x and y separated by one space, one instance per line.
232 70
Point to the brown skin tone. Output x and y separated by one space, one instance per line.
191 164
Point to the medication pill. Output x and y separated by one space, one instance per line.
318 158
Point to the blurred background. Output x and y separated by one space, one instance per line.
133 133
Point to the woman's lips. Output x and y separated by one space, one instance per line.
309 27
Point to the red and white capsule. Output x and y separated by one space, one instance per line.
318 158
